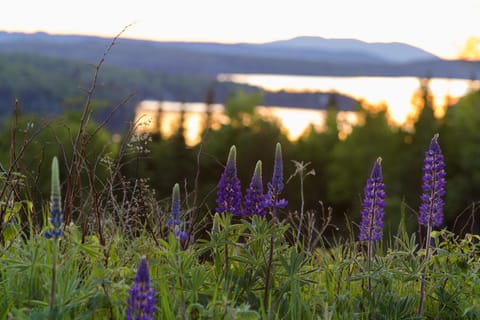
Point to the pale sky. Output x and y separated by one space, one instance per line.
439 26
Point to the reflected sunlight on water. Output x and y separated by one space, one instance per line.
395 92
165 117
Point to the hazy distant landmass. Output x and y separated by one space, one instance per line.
47 72
298 56
393 52
50 85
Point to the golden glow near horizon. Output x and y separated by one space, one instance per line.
440 27
471 50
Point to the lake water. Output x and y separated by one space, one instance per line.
395 92
164 117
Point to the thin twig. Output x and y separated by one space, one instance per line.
79 144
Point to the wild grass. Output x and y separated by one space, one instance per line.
223 276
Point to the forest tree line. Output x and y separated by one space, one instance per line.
340 166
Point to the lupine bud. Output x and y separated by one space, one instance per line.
175 213
275 187
175 221
255 200
373 205
141 302
56 203
277 178
431 209
229 194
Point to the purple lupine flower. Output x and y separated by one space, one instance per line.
55 206
255 202
373 205
175 222
431 209
275 187
141 302
229 194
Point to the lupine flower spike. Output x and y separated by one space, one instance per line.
174 221
373 205
431 209
275 187
229 194
255 200
56 204
141 302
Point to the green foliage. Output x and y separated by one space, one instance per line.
46 140
233 267
346 170
338 181
47 85
241 107
460 133
223 276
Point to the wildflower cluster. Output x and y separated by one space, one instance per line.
256 202
431 208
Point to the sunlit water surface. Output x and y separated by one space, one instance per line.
394 92
397 93
165 117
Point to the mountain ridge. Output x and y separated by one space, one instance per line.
389 51
211 59
309 44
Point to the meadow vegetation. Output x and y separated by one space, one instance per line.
246 225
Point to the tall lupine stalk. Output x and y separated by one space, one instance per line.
373 210
55 204
175 222
141 301
255 202
431 208
275 188
56 224
229 194
229 197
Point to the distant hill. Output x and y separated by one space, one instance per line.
298 56
49 86
393 52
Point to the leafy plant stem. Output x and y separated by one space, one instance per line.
183 310
268 273
269 267
54 279
302 206
424 271
369 265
